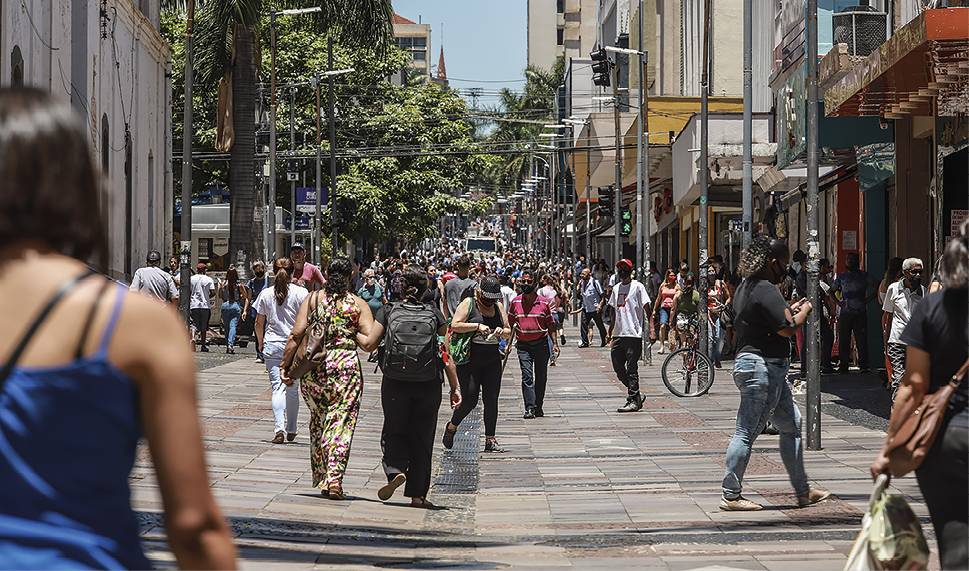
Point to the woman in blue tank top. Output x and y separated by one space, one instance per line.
86 369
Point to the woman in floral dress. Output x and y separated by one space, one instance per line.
331 392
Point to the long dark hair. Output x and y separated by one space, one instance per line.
232 277
283 268
50 183
338 277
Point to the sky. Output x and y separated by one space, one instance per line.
484 42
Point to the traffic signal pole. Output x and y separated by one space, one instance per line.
617 218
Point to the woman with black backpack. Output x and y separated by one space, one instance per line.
410 391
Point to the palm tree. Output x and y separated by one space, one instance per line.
228 32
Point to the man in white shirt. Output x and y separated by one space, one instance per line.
631 304
154 281
593 299
900 300
200 306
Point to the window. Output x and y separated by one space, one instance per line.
560 6
560 37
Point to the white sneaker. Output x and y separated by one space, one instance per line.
662 350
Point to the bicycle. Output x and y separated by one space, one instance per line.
687 372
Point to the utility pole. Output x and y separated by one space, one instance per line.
812 335
185 244
317 222
588 195
703 239
334 202
617 207
748 184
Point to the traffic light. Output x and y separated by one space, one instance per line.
606 200
626 227
600 67
348 210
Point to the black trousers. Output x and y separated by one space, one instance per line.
944 480
849 323
410 423
479 375
587 317
200 318
626 352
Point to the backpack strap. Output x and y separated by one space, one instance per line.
58 295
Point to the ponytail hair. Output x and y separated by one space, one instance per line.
338 277
284 274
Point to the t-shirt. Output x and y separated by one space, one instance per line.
507 294
533 320
202 288
549 293
854 285
759 313
372 294
688 302
154 282
900 302
256 285
591 292
456 290
280 318
630 301
940 327
307 276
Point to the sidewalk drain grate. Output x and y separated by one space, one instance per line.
458 473
442 564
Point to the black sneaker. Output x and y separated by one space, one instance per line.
632 405
563 340
529 413
583 346
641 399
491 445
539 413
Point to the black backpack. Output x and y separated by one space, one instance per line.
409 348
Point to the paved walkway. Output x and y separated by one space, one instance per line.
582 488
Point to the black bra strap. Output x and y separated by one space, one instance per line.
61 292
90 318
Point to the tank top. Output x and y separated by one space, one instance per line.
481 348
688 304
667 293
68 436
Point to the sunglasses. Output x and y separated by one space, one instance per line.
916 272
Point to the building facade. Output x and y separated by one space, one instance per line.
114 68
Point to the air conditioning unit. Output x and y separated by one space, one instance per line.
861 27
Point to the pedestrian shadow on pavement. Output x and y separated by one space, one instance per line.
860 399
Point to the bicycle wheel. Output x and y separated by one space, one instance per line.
687 373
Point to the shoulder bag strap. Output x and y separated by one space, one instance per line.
960 374
58 295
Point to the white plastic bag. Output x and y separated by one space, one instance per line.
891 536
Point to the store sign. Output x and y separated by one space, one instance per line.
958 217
791 124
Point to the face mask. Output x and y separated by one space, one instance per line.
916 282
777 273
371 281
260 274
625 274
487 302
528 289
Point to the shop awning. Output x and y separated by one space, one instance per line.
922 70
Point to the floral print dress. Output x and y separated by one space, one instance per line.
332 392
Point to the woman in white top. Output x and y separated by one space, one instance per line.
277 308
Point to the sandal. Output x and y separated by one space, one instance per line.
421 503
388 489
336 493
448 439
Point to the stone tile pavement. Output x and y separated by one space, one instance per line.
583 488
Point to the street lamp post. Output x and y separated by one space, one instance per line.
271 215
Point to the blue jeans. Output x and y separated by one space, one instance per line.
764 395
231 312
285 399
533 358
716 339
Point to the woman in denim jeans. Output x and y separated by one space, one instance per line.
276 311
765 323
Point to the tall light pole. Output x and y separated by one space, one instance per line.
318 222
813 332
185 246
703 239
271 216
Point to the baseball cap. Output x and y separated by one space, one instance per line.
201 266
624 262
297 245
154 256
490 288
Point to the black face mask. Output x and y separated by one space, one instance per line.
777 273
487 302
916 282
260 274
625 274
528 289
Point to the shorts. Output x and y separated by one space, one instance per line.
683 323
664 315
559 320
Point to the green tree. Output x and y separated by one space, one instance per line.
227 33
